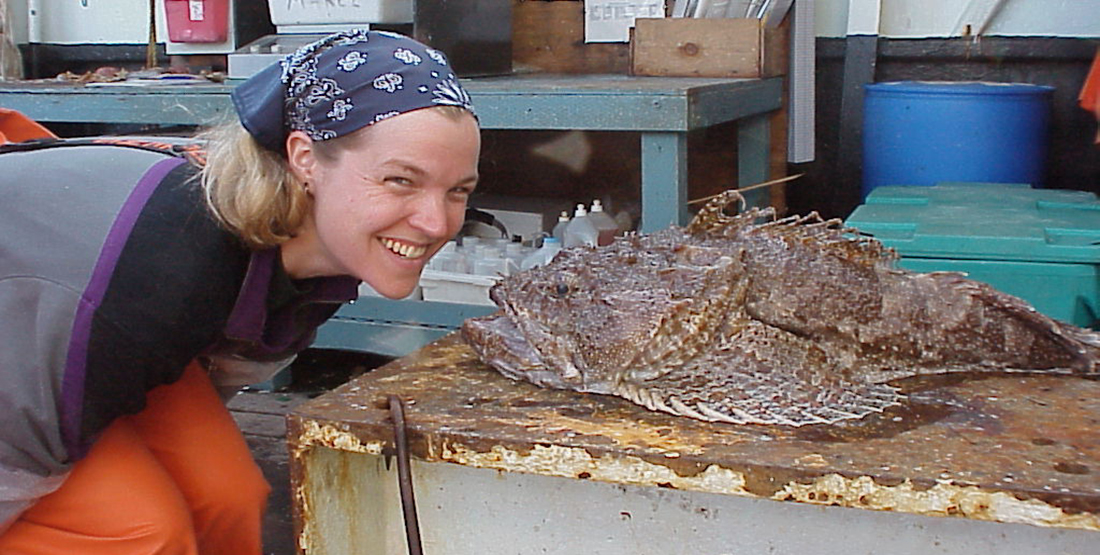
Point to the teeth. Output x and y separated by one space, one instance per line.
408 251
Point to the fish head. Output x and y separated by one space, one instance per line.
595 317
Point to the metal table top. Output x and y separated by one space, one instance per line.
1020 449
521 101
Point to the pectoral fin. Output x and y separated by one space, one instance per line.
763 376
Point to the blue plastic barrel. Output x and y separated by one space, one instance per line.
923 133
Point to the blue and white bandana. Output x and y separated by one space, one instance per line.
343 83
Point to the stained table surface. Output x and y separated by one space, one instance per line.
1007 448
520 101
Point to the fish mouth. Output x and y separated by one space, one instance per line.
404 249
500 342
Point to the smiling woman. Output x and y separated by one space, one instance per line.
151 287
387 201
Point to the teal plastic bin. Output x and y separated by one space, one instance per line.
1040 245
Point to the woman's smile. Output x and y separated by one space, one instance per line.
404 249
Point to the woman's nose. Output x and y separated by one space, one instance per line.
431 215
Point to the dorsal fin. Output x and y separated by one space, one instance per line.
712 218
829 235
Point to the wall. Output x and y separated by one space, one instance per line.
84 21
937 18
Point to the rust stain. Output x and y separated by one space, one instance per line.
566 462
1006 448
333 437
943 499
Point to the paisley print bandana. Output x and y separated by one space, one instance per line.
343 83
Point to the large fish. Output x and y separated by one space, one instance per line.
753 319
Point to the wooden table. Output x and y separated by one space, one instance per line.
1011 463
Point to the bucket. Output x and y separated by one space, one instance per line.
923 133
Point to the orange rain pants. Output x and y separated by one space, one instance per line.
15 128
174 479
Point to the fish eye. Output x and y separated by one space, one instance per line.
561 290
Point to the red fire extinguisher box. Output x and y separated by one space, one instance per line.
197 20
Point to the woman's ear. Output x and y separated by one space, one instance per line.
301 157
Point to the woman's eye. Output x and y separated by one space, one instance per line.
462 192
399 180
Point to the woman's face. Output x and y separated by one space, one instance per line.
388 203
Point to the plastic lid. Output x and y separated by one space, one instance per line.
564 216
596 205
983 88
580 211
984 221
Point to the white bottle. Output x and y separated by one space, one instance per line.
606 228
580 230
517 253
559 228
545 253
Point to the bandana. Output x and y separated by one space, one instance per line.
342 83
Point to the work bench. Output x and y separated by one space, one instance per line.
663 110
994 465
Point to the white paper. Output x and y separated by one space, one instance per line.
611 20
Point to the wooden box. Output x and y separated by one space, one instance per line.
549 37
724 47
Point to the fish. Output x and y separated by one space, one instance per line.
751 318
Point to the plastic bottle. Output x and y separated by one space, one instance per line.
517 253
545 253
559 228
580 230
606 228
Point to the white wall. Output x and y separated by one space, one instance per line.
937 18
126 21
84 21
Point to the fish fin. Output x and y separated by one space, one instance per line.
831 236
712 216
1078 347
745 382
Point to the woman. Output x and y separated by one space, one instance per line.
134 285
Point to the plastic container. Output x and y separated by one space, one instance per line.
545 253
199 21
451 287
923 133
340 13
580 230
1039 245
606 227
559 228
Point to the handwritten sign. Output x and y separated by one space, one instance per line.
611 20
320 4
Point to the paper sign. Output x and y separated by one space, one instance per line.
611 20
195 12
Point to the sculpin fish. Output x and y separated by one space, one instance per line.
753 319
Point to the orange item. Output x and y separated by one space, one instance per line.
16 128
175 479
1090 92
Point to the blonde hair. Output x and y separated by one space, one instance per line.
250 189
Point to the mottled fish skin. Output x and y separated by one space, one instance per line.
747 319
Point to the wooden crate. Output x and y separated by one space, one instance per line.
725 47
548 36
